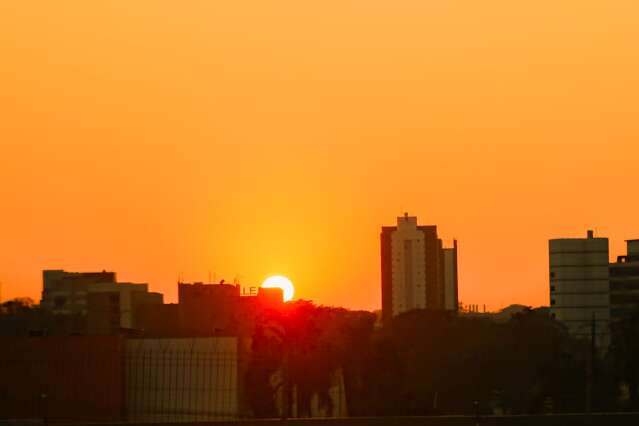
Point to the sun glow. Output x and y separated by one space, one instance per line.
278 281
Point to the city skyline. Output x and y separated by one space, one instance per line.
259 139
215 279
340 212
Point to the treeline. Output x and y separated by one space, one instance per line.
22 317
436 362
422 363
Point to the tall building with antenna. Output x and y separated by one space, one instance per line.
417 271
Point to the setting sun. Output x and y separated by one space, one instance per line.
278 281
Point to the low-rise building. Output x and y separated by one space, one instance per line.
205 310
114 310
67 292
109 306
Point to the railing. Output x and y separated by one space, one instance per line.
140 380
180 385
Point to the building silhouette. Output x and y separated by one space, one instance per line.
624 284
579 286
205 310
417 271
108 306
66 292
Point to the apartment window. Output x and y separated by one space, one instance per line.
552 302
552 275
552 288
59 301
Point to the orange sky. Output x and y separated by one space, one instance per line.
165 138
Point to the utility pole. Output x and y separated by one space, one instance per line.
590 372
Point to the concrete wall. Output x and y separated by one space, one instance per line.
67 379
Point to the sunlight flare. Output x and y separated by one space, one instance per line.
278 281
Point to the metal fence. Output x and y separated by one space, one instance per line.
141 380
136 380
180 380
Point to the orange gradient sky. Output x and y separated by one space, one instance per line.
172 138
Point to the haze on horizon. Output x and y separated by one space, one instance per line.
255 138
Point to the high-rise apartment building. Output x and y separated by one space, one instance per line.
579 286
417 272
